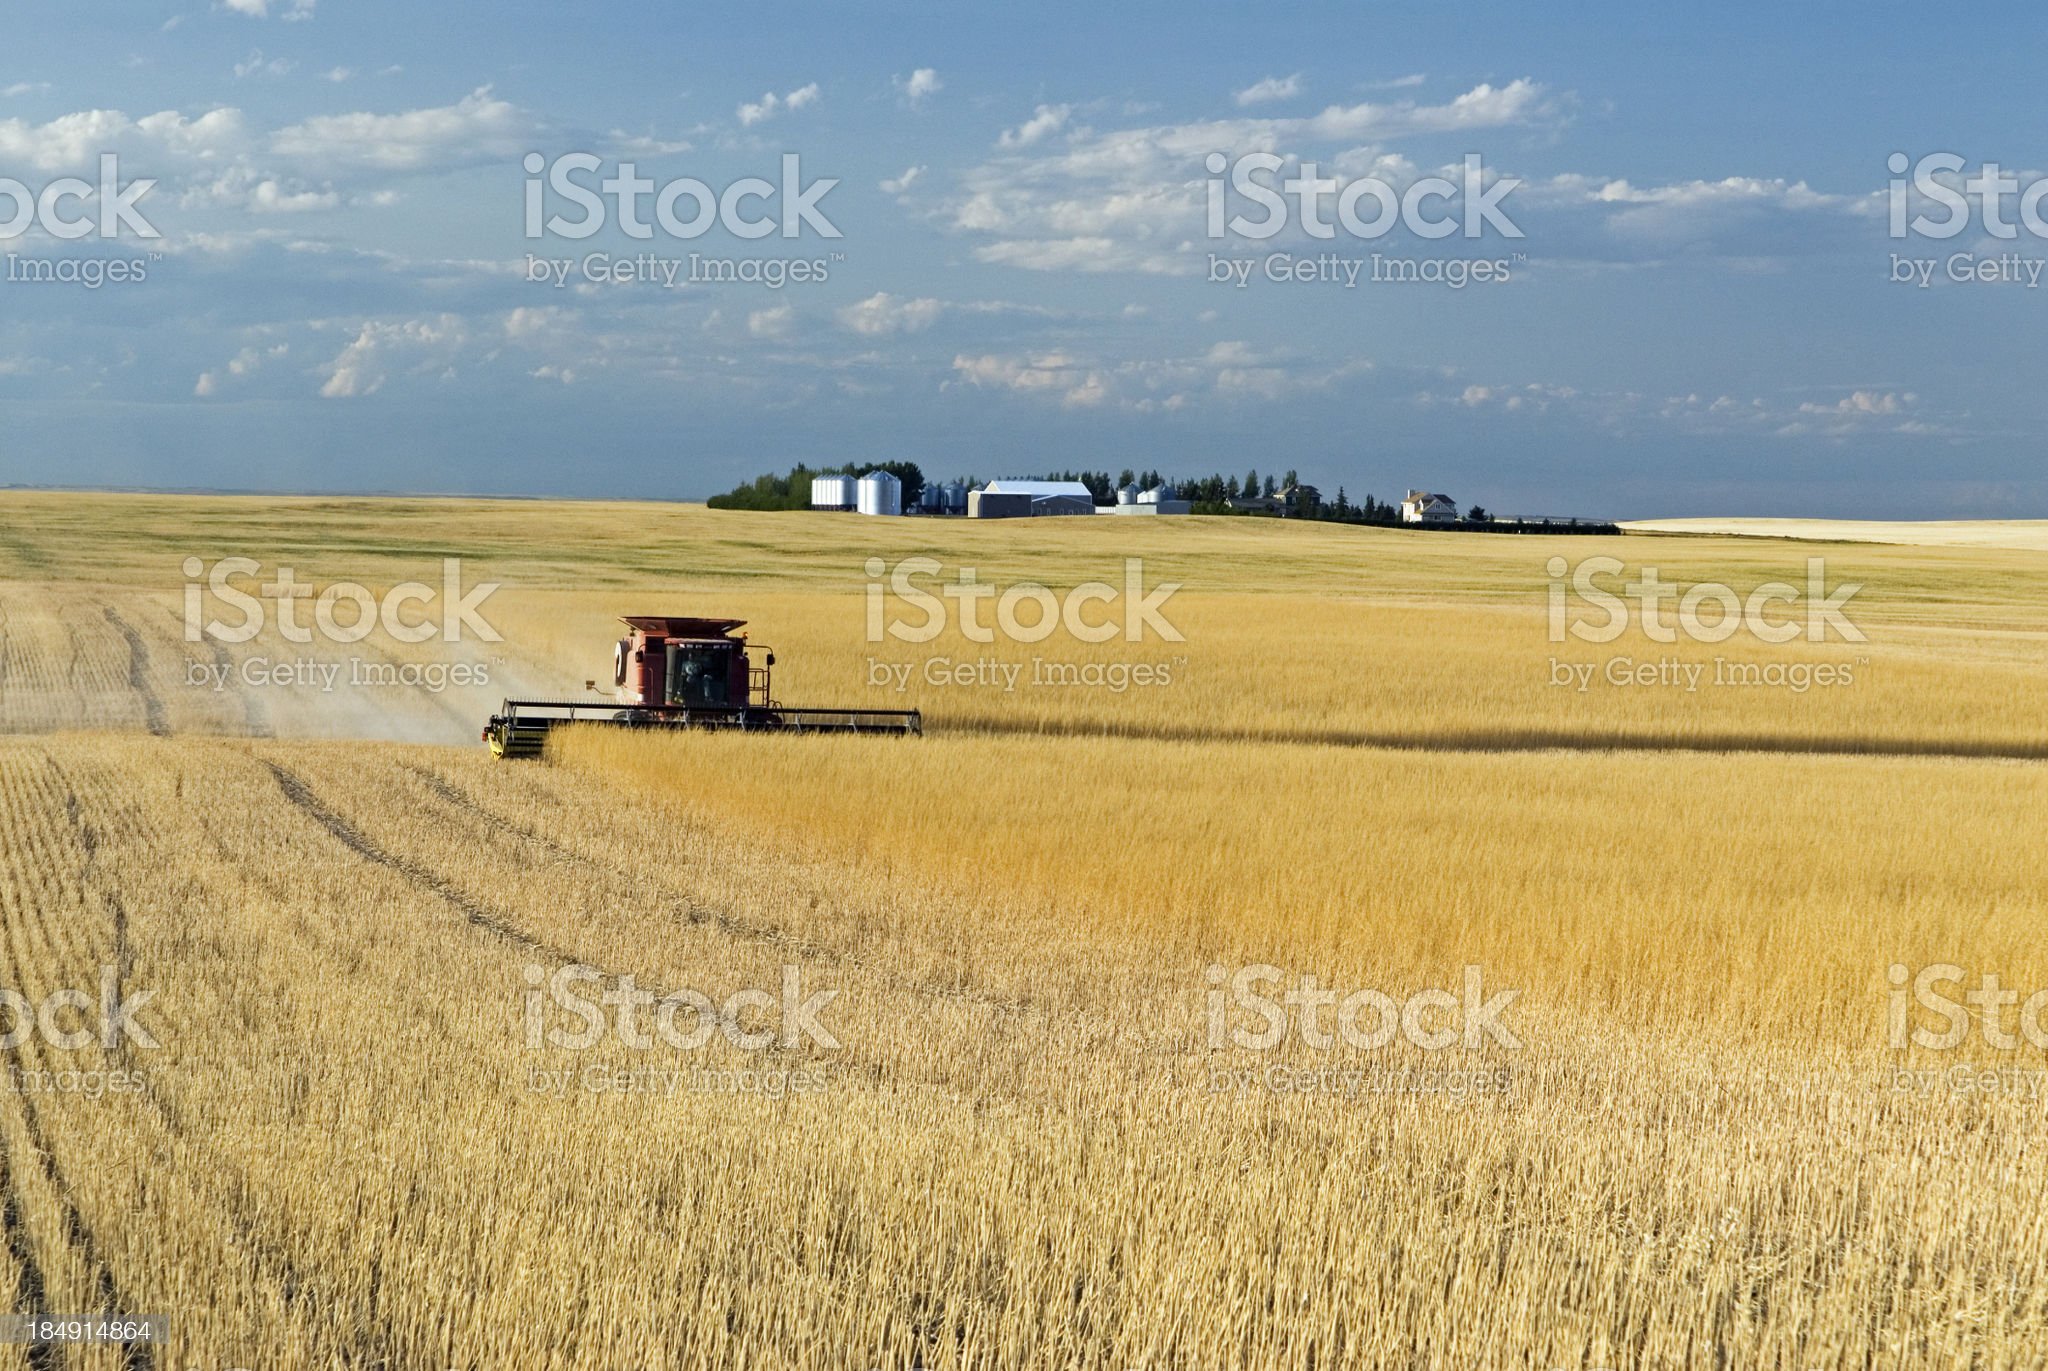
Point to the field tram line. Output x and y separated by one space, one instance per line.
475 911
138 673
300 794
135 1356
78 1234
271 1261
696 912
30 1289
255 717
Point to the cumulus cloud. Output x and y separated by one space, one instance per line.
771 103
896 185
527 321
362 367
771 323
920 85
255 64
1226 372
1132 199
261 9
242 364
1049 119
1272 88
476 128
883 313
1863 402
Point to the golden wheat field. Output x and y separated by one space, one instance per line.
728 1050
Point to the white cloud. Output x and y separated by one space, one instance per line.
242 364
896 185
1227 372
364 365
269 198
646 145
339 74
260 9
528 320
64 143
920 85
771 323
21 88
478 127
1132 199
1272 88
257 65
770 103
1049 119
883 313
1863 402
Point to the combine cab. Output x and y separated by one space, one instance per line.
684 673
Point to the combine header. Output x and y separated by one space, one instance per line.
684 673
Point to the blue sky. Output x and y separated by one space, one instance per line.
1698 316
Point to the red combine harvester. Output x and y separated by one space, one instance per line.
684 673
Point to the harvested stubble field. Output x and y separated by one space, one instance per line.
1019 1146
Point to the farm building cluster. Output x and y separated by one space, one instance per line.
881 492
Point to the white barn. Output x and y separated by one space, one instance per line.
1047 497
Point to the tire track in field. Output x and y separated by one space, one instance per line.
138 668
29 1286
255 716
696 912
271 1261
355 840
300 794
77 1233
138 1355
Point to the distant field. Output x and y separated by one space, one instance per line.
1023 1148
2026 534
